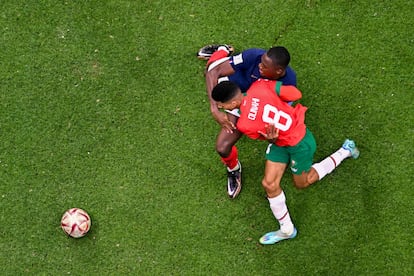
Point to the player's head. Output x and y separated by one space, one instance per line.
274 62
227 94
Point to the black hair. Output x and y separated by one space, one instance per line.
279 55
224 91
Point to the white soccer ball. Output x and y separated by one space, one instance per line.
75 222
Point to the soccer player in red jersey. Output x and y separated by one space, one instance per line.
242 69
265 115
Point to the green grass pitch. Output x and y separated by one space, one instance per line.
103 107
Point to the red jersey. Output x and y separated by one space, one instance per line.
266 104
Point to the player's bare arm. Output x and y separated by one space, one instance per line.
212 76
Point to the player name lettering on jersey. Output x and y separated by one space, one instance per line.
254 109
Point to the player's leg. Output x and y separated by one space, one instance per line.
220 54
301 159
305 179
326 166
277 159
225 147
272 177
208 51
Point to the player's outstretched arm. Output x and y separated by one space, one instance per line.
213 74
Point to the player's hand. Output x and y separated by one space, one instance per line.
224 121
272 133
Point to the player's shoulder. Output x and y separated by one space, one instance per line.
248 58
263 85
290 71
290 77
253 52
265 82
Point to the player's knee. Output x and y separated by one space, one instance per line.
312 176
265 184
272 188
301 184
223 148
268 186
301 181
305 179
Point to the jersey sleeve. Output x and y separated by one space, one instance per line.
246 58
287 93
289 78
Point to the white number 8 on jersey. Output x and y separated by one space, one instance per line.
270 110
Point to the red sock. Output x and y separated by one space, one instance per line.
232 160
217 55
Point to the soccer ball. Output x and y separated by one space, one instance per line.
75 222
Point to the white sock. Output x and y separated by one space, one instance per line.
327 165
223 48
281 213
216 63
235 168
